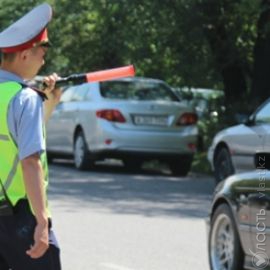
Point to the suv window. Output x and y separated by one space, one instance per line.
137 90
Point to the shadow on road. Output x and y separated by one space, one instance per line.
149 193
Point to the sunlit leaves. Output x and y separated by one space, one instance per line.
167 39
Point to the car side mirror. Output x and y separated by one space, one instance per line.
262 161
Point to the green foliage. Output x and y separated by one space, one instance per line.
154 36
200 163
184 42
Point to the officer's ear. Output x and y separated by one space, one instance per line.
23 55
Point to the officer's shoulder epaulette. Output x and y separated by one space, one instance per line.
40 93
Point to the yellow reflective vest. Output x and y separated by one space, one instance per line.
11 174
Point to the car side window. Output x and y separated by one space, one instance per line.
263 116
79 93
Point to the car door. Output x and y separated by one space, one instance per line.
259 204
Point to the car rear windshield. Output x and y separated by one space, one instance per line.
137 91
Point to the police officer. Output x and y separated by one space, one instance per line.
27 241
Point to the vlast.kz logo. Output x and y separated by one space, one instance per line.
260 260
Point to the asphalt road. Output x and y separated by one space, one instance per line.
109 219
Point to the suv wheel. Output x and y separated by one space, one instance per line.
224 247
81 154
223 165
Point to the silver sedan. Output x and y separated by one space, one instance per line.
132 119
233 149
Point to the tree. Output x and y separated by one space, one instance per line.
261 79
229 28
220 44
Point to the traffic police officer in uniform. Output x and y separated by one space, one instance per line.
27 241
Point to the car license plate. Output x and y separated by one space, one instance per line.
151 120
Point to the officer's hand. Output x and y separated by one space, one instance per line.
41 241
52 93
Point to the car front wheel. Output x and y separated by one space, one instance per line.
224 247
223 165
81 154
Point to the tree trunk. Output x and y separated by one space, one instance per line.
234 81
260 90
226 55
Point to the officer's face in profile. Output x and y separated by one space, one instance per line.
38 53
33 60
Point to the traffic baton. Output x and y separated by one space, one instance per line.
97 76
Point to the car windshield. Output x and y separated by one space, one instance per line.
137 90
